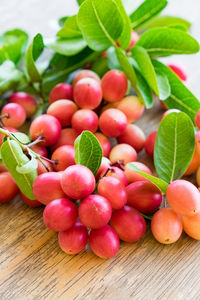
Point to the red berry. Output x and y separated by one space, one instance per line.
8 187
67 137
26 101
105 164
29 202
134 39
113 122
123 153
134 136
104 142
15 115
85 74
64 157
85 119
132 107
40 150
178 71
150 143
133 176
117 173
61 91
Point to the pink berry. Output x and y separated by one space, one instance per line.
104 242
85 74
15 115
63 110
87 93
47 187
117 173
8 187
44 167
128 223
113 122
39 150
114 85
144 196
26 101
178 71
134 39
29 202
67 137
113 190
47 127
73 240
78 182
61 91
123 153
95 211
85 119
60 214
150 143
134 136
105 164
64 156
133 176
132 107
104 142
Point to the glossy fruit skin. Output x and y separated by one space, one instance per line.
197 119
40 150
133 136
64 156
47 187
116 79
95 211
191 226
104 242
29 202
60 214
183 197
104 142
166 226
113 190
134 39
42 169
87 93
61 91
144 196
105 164
73 240
133 176
195 162
123 153
46 126
11 129
85 74
63 110
78 182
178 71
169 111
150 144
26 101
16 115
117 173
132 107
128 223
113 122
85 119
8 187
67 137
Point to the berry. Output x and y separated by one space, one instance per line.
105 164
47 127
64 157
178 71
134 39
73 240
133 176
8 187
63 110
104 142
85 74
113 122
26 101
191 226
114 85
39 150
166 226
104 242
195 162
78 182
117 173
41 168
144 196
14 115
85 119
123 153
133 136
87 93
60 214
150 143
128 223
29 202
67 137
61 91
132 107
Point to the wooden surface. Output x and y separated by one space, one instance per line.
32 266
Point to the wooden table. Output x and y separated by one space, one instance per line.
32 266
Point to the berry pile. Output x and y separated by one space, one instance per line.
111 205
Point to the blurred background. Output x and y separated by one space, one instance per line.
41 16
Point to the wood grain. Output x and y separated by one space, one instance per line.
32 266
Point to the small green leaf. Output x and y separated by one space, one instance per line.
100 66
68 47
13 156
28 167
34 51
174 147
9 76
163 84
180 97
161 184
143 90
94 20
21 137
146 11
80 1
88 151
70 28
165 41
62 20
113 62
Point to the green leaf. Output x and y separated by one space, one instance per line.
146 11
10 76
161 184
28 167
62 20
180 97
99 29
13 156
167 41
100 66
21 137
143 90
80 1
70 28
13 45
34 51
174 147
163 84
165 21
68 47
113 62
88 151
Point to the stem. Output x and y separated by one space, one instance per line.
37 141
